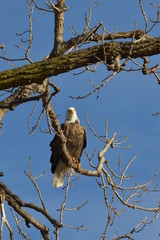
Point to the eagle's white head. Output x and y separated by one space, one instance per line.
71 115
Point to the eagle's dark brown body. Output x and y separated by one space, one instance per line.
76 142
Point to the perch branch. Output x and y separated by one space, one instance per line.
67 157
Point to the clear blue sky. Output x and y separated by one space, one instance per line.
128 101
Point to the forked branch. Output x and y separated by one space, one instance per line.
17 204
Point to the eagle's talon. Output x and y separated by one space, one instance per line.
78 165
76 162
74 159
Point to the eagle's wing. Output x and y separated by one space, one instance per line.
84 142
84 138
55 153
56 149
76 141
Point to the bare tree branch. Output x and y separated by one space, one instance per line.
144 15
59 27
18 226
77 168
33 84
3 215
34 183
17 204
38 71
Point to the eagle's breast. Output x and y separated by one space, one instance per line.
75 140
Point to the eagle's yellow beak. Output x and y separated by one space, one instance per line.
71 111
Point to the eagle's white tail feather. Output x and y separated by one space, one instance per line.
60 173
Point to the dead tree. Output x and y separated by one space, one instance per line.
31 82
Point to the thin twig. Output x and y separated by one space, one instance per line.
34 183
144 15
21 232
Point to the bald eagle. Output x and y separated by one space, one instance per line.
76 141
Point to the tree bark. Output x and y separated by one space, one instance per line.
59 29
17 204
38 71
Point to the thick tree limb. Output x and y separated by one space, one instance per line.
19 94
29 218
38 71
22 95
92 36
59 29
